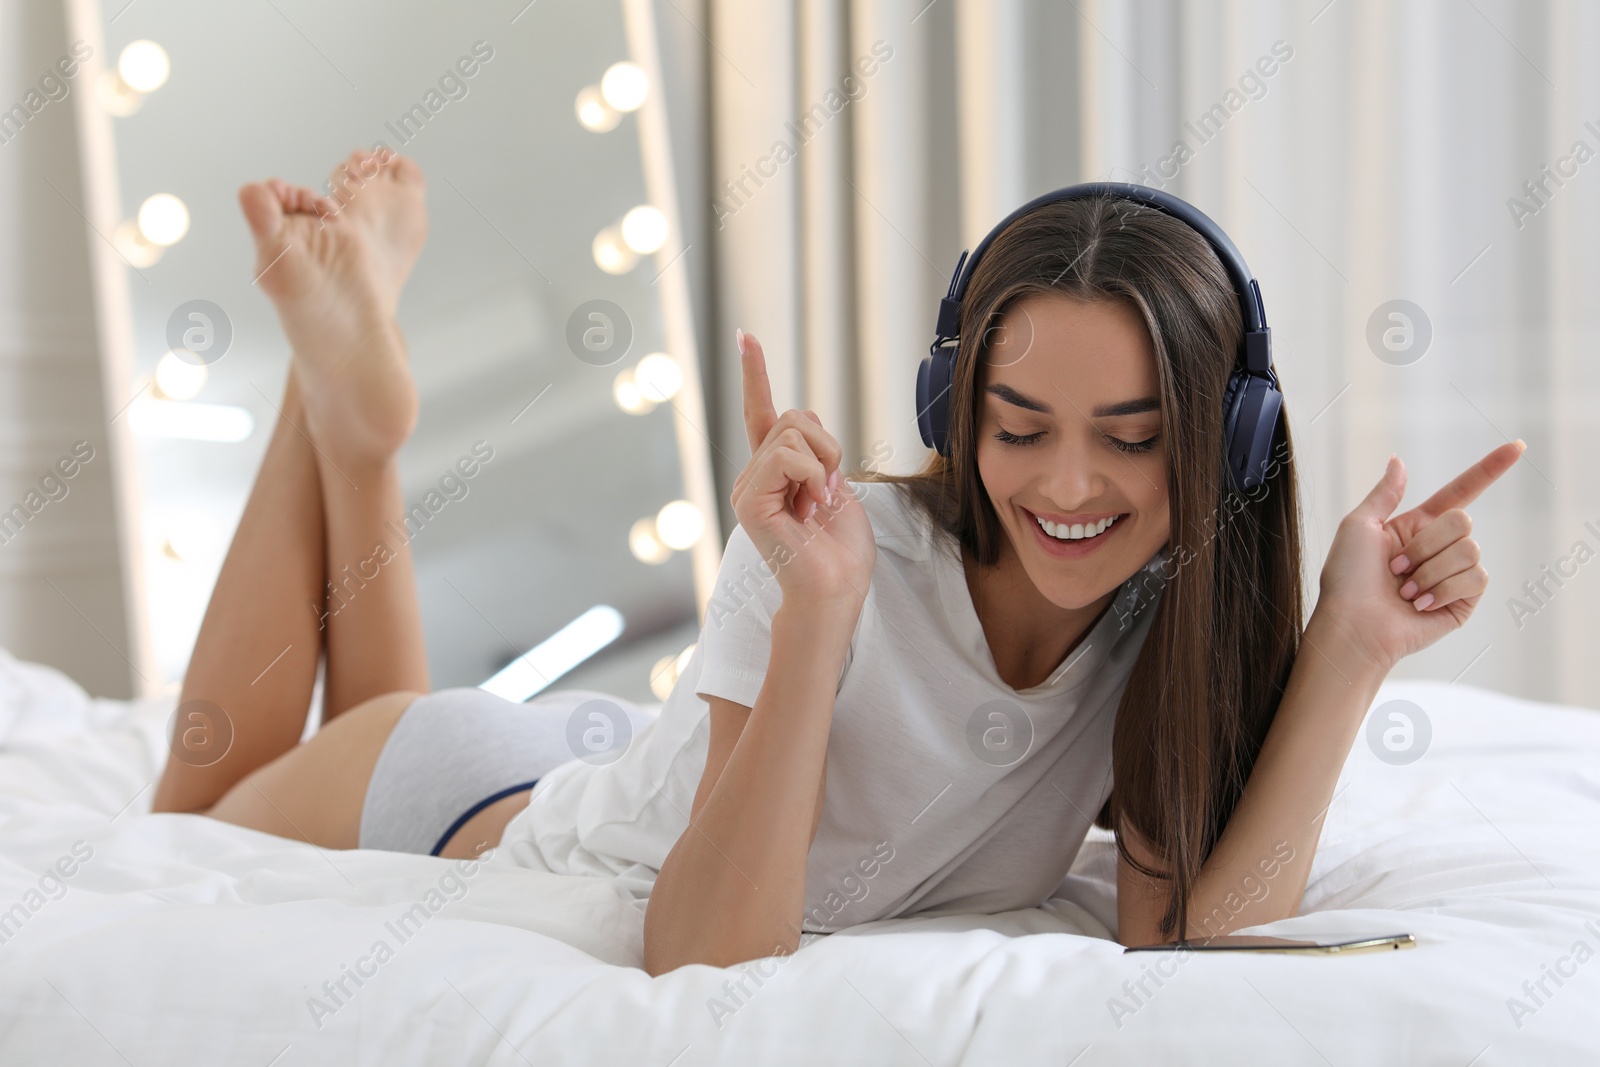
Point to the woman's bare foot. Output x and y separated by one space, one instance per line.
334 267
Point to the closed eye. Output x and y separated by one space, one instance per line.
1133 446
1006 437
1010 438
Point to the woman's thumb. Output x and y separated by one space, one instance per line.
1386 495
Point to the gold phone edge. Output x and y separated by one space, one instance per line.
1377 944
1396 941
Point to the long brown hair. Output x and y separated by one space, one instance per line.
1227 624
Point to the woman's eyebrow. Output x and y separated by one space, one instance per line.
1104 411
1127 407
1011 396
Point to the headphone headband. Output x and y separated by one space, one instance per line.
1257 335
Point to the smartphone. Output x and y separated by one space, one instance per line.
1252 943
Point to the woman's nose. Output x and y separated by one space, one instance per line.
1075 477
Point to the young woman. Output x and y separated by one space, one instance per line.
910 695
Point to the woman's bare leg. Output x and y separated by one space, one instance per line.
249 682
320 553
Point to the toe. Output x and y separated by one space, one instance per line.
360 165
339 176
346 174
405 169
263 210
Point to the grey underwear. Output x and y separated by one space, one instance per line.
455 752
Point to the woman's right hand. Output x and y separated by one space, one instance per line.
793 501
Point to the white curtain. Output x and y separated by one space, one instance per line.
1359 152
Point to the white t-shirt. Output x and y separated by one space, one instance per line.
947 790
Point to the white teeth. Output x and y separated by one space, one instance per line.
1077 531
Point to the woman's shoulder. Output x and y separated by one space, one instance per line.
899 524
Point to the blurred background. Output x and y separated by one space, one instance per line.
1415 186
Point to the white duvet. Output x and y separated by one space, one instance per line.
128 938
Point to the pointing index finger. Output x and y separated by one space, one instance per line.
1467 486
759 414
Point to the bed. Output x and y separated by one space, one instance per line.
129 938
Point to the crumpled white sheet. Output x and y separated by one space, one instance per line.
177 939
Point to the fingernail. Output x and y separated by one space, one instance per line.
1423 601
1408 590
833 480
738 339
1399 564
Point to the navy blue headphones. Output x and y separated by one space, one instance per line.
1252 402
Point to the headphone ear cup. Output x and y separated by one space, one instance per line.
924 392
1230 407
1251 408
935 377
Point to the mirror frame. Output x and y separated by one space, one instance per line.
689 407
113 304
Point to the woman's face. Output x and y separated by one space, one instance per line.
1069 434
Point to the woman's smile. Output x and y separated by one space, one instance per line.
1072 536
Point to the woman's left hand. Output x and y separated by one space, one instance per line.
1397 585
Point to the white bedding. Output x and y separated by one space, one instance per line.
183 940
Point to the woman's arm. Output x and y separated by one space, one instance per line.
1258 870
733 887
727 725
1390 587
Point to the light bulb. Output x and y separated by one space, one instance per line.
644 229
118 97
178 379
611 254
658 377
593 111
624 86
645 545
679 524
629 397
163 220
144 66
663 676
132 244
666 672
